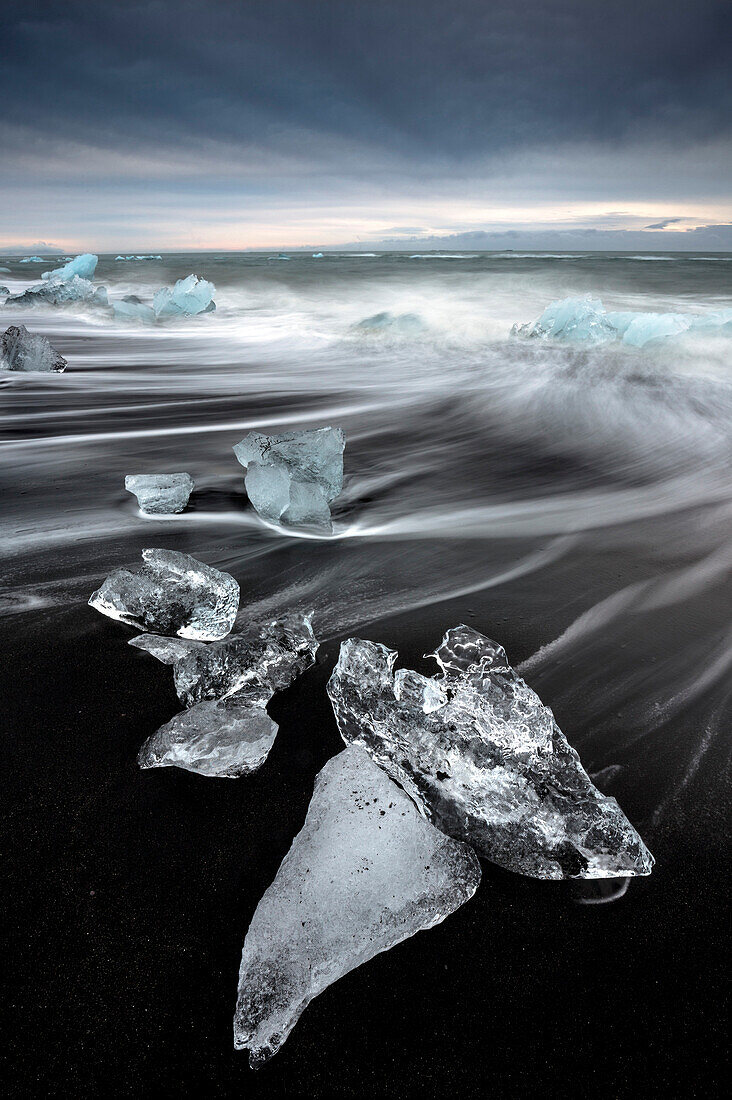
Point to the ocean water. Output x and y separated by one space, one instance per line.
572 502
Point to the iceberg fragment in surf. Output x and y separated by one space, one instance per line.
132 308
585 320
484 759
226 738
82 266
226 731
27 351
395 324
171 593
292 478
187 298
160 494
62 293
365 872
4 290
34 260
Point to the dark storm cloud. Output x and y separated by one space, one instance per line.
450 79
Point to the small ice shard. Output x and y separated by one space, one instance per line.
292 478
84 266
365 872
572 320
226 731
187 298
171 593
165 650
317 255
395 324
62 293
132 308
217 737
254 664
4 290
160 494
28 351
489 766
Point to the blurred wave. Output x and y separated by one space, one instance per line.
579 497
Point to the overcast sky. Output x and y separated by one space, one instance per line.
193 124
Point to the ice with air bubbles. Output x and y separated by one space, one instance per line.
293 478
365 872
171 593
25 351
484 759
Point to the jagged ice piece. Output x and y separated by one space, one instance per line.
227 738
365 872
26 351
160 494
171 593
61 293
165 650
293 478
84 266
254 664
489 765
188 297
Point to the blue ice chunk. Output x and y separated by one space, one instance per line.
188 297
293 478
132 309
572 320
34 260
84 266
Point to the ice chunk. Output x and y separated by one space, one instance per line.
254 664
646 327
160 494
217 737
572 320
34 260
364 873
27 351
187 298
317 255
171 593
395 324
293 478
133 308
165 650
4 290
585 320
62 293
84 266
490 765
4 270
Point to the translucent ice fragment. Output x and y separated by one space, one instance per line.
646 327
61 293
188 297
365 872
171 593
293 478
165 650
132 308
572 320
217 737
4 290
254 664
489 765
34 260
26 351
399 324
160 494
84 266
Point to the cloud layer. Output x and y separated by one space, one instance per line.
190 124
